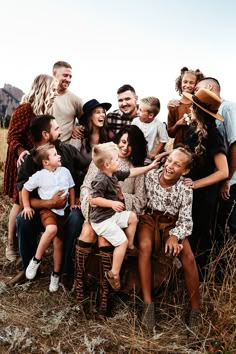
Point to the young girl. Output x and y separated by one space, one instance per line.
51 179
179 111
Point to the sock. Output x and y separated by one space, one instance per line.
55 274
36 260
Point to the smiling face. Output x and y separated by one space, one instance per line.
54 132
188 83
53 161
124 148
127 102
98 116
64 76
175 167
53 90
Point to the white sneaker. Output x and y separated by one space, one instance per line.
54 283
32 268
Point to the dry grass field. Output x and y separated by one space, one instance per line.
34 321
3 145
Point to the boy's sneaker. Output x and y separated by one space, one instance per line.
32 268
54 283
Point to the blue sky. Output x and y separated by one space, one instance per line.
110 43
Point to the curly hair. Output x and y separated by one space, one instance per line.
204 122
137 142
178 82
41 94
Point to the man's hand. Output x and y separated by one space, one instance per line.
78 132
59 200
225 190
172 247
117 206
27 212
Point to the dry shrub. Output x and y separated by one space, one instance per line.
34 321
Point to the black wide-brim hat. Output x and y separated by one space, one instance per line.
89 106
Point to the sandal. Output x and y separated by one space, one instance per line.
114 282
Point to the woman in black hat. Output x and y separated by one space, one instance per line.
96 129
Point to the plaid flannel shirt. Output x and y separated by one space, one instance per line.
117 120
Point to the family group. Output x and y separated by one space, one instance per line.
90 180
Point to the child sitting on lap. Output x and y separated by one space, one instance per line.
108 216
51 179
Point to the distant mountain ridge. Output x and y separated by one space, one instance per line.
10 98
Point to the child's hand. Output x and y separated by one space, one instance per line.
117 206
27 212
74 206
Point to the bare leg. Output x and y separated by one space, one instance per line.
57 253
118 257
145 243
131 229
46 238
16 208
88 234
191 274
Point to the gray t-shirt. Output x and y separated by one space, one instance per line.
105 187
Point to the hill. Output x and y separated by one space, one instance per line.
10 97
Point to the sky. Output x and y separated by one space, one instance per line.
109 43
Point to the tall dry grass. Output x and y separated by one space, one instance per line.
34 321
3 145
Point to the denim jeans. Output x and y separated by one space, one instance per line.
227 212
29 229
232 217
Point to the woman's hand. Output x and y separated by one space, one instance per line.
21 158
119 193
189 182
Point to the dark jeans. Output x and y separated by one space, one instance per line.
227 211
29 229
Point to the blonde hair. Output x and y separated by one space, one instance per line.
42 153
153 104
104 152
185 150
41 94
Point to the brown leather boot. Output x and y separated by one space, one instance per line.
106 254
81 256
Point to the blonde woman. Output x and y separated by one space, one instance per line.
38 101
